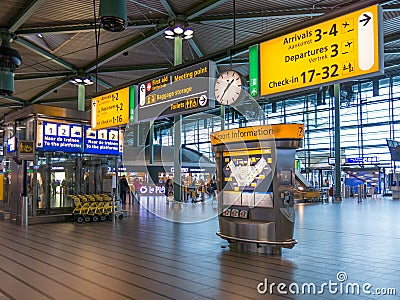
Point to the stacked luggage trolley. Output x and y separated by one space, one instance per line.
94 208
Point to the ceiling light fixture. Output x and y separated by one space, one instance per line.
177 27
10 59
77 80
113 15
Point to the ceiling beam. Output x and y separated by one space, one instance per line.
58 84
168 8
297 13
136 41
392 64
391 8
8 105
155 67
392 51
203 7
259 16
25 14
151 8
35 76
100 81
392 38
13 99
45 54
83 26
69 99
195 47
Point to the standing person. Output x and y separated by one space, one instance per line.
63 190
54 189
123 189
211 186
86 183
169 188
137 185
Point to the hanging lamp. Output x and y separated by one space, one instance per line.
113 15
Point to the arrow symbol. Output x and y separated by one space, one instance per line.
366 20
254 92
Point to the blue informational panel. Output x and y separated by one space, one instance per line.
11 145
104 141
362 160
58 136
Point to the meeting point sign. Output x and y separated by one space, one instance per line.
184 91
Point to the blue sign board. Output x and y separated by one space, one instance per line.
11 145
104 141
362 160
53 136
77 138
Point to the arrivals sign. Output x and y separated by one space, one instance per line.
345 47
112 109
181 92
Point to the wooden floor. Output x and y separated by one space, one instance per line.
147 257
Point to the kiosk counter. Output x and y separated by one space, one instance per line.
255 176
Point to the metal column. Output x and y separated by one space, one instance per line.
81 97
177 157
222 117
24 195
338 183
177 130
151 142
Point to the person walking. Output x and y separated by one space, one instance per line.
123 189
137 184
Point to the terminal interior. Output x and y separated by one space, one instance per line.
312 222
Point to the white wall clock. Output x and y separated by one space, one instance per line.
228 87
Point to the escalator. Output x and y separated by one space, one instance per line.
304 191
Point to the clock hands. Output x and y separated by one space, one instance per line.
230 83
228 87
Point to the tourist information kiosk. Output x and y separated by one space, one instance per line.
255 175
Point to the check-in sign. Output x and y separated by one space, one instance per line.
181 92
111 109
345 47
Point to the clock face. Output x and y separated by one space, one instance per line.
228 87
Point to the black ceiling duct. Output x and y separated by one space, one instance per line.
113 15
9 61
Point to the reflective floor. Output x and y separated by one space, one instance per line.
346 248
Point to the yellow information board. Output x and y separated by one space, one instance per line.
258 133
110 110
345 47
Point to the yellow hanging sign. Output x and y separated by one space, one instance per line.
110 110
258 133
345 47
